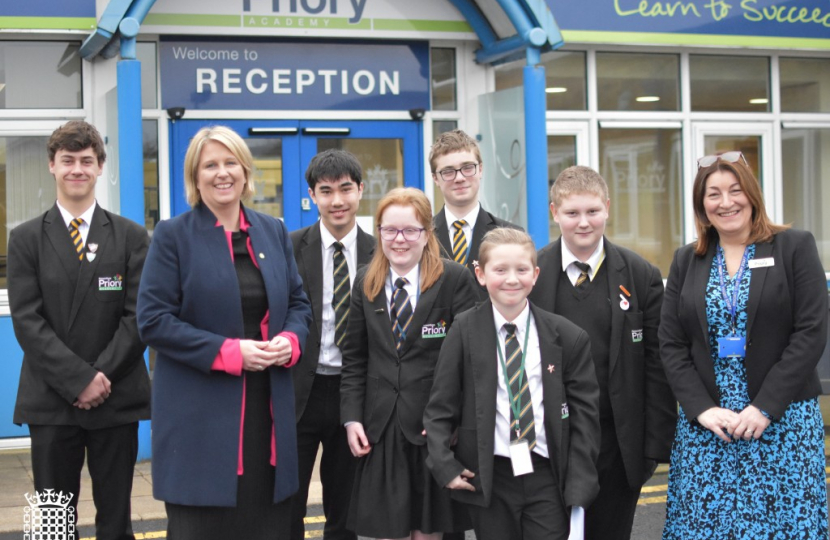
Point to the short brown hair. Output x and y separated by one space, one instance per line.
74 136
233 142
452 141
431 265
503 236
762 228
576 180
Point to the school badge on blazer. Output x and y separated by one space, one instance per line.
434 330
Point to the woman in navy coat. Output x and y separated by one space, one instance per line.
223 306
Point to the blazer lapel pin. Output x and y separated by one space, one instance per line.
624 303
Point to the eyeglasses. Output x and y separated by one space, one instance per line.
410 234
466 171
729 157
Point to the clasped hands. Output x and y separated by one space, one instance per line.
748 424
258 355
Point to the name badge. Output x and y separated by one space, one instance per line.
520 457
731 346
762 263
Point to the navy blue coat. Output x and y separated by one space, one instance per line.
188 304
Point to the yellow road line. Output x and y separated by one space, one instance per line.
651 500
652 489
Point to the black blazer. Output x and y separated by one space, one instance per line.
375 381
308 251
71 325
786 326
464 396
485 222
645 411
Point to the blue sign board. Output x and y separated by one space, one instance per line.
294 75
763 18
48 8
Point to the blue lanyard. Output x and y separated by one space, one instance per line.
732 305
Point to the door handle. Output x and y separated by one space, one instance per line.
273 131
326 131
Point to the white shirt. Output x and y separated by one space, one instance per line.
86 216
533 372
412 288
466 229
331 358
595 260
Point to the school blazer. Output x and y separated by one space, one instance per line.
485 222
375 382
645 411
73 319
187 306
308 251
464 396
786 326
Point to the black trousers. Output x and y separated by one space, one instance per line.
611 515
58 457
320 424
527 507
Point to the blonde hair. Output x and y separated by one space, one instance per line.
501 237
576 180
431 266
233 142
762 229
452 141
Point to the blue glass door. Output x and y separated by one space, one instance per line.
389 151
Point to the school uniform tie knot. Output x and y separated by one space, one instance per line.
341 298
510 329
584 271
401 312
459 242
75 235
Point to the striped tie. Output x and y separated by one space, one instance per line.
459 243
77 239
401 312
342 294
521 394
584 268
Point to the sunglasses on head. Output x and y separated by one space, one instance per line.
729 157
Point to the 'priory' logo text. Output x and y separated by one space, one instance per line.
114 283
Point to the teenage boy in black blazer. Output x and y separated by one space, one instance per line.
72 294
617 302
335 184
559 424
455 160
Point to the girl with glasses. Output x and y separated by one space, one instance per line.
403 304
743 325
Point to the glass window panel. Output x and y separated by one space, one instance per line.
805 84
561 155
729 83
28 189
150 139
643 171
382 162
565 76
40 75
146 54
267 175
442 66
749 145
806 165
638 82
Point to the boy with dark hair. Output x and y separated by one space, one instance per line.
73 277
328 255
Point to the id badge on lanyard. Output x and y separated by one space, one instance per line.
733 345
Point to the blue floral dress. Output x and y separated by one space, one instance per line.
772 488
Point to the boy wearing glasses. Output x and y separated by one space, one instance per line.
455 160
615 296
328 255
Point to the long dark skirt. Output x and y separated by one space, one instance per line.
255 516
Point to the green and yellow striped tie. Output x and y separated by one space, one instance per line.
77 239
522 427
342 294
459 242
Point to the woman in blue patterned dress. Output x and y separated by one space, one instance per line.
743 325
